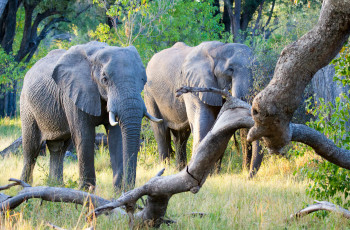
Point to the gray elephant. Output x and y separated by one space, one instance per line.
210 64
69 92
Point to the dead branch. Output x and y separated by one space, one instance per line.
100 139
187 89
53 194
54 226
161 189
321 205
12 148
17 182
321 144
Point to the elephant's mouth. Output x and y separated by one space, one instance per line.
113 122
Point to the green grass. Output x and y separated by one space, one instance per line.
230 200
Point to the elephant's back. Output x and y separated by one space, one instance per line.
41 99
163 78
41 72
166 65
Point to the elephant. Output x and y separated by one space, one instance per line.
68 93
210 64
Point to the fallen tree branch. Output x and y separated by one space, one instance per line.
100 139
321 205
53 194
235 114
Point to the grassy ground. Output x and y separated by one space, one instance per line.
229 199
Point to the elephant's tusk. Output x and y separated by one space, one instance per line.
149 116
112 120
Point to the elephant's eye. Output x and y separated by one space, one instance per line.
231 70
104 80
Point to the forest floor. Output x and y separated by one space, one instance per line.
229 200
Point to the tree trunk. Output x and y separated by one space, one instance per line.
10 109
225 17
273 107
237 19
8 25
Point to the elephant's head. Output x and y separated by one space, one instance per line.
219 65
95 72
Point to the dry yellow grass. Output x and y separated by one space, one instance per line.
230 200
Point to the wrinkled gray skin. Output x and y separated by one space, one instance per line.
210 64
69 92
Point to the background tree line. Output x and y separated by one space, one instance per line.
27 28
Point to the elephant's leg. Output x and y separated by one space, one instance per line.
180 142
83 137
57 151
31 142
257 157
84 145
163 139
246 149
115 147
201 118
160 130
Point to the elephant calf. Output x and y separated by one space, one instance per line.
69 92
210 64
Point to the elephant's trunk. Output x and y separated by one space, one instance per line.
130 117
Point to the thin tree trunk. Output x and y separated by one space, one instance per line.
10 109
237 21
226 18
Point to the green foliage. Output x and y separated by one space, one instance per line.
290 23
342 66
9 69
329 181
152 26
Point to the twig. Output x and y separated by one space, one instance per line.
160 172
17 182
199 214
187 89
20 182
54 226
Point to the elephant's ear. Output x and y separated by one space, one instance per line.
198 71
72 74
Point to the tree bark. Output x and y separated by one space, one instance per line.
273 107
